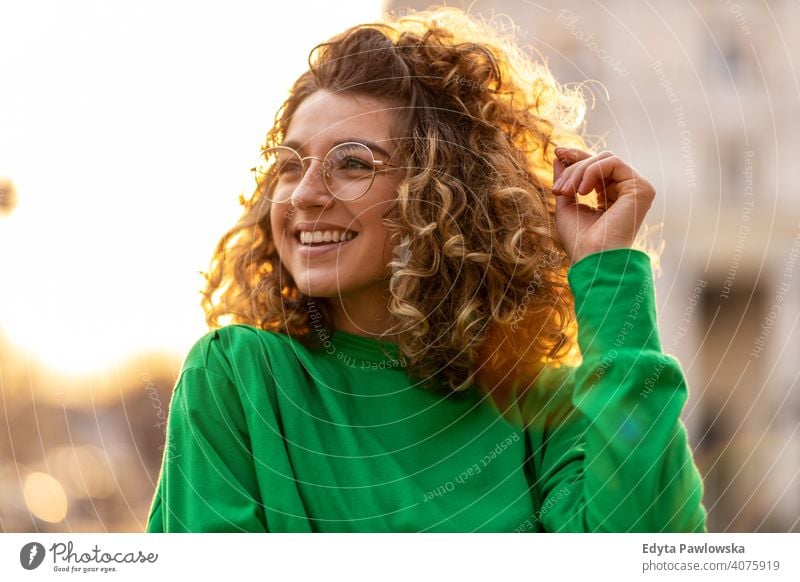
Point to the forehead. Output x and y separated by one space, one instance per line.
325 118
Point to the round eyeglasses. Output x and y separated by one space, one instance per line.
348 171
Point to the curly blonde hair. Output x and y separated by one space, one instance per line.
481 293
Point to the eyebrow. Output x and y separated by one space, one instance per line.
371 145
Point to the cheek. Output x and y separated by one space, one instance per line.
380 250
274 223
277 224
279 216
377 237
371 224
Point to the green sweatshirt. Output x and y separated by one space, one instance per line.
267 435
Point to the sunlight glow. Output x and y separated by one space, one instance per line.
128 130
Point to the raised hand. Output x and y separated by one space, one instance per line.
624 198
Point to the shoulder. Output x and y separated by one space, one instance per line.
233 364
225 349
223 376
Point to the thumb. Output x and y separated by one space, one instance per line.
563 201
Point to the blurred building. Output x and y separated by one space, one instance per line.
700 98
81 453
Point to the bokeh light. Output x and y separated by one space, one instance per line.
45 497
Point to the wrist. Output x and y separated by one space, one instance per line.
583 253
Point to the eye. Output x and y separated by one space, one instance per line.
288 168
352 164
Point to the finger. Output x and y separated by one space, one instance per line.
599 174
572 176
606 194
580 212
558 169
576 175
571 155
564 158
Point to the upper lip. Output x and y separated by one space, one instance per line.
321 226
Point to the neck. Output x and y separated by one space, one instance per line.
363 313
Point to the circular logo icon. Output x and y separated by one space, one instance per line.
31 555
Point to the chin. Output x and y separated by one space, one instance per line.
322 287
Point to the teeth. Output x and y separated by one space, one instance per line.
318 236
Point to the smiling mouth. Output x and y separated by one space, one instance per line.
305 241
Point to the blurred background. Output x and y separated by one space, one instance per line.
126 133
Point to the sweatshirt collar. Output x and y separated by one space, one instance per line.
356 349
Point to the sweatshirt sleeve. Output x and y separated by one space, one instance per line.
207 481
609 450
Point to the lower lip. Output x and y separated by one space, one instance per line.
315 251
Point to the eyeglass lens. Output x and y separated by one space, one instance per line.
348 171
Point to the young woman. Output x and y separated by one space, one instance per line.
426 330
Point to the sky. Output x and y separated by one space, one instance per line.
128 129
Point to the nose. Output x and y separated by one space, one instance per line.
311 191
